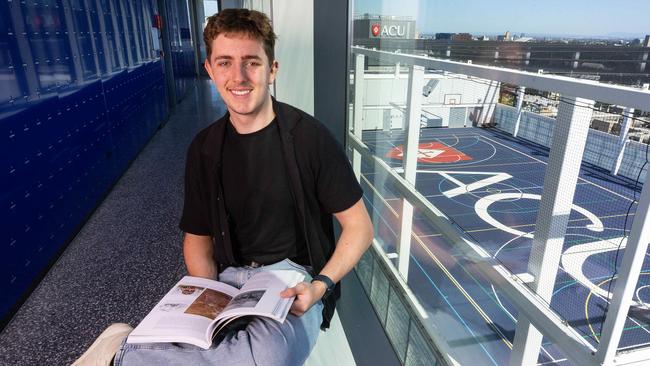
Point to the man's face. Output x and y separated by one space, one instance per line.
242 73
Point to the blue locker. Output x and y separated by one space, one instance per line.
84 94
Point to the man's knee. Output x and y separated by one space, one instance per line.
288 343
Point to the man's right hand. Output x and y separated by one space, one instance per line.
307 294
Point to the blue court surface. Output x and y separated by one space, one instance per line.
489 184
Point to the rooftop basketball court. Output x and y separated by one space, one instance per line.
489 184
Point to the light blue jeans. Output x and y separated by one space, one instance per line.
258 341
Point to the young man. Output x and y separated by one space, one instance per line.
261 186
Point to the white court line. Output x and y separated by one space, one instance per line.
572 220
640 326
582 252
579 255
456 136
487 191
486 165
515 321
505 190
474 163
634 346
462 188
628 317
574 258
488 321
496 296
483 191
482 211
552 361
592 183
636 293
452 144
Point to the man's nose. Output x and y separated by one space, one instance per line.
239 72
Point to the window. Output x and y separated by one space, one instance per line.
500 191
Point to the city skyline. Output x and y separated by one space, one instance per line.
532 18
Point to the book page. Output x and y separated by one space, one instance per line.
185 313
261 295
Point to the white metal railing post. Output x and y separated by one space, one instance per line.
521 91
357 111
410 156
635 254
560 180
623 135
492 99
622 139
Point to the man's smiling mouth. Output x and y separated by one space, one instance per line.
241 92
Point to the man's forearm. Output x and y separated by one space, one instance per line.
351 245
198 251
356 237
353 242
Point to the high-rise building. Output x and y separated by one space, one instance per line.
461 37
646 41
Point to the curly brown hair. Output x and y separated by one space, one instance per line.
254 24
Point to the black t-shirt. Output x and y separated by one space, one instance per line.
261 210
317 168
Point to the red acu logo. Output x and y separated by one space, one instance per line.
375 29
432 153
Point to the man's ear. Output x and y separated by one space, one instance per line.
207 67
274 71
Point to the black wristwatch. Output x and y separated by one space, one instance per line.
327 281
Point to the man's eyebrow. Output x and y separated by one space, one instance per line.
247 57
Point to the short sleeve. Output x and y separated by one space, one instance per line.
195 217
336 184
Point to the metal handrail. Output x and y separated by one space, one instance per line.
548 321
606 93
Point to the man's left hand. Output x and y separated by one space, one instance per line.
307 294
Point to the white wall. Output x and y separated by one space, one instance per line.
601 148
293 23
382 92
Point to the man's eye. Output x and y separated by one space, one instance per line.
223 63
253 63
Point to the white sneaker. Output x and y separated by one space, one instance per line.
102 351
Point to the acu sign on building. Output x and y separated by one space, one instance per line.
384 27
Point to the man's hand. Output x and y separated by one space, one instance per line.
307 294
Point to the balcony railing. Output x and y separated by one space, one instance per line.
530 293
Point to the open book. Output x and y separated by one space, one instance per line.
196 309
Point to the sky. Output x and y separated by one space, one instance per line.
615 18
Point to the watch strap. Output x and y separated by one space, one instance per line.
327 281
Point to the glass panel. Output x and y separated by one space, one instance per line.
539 179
